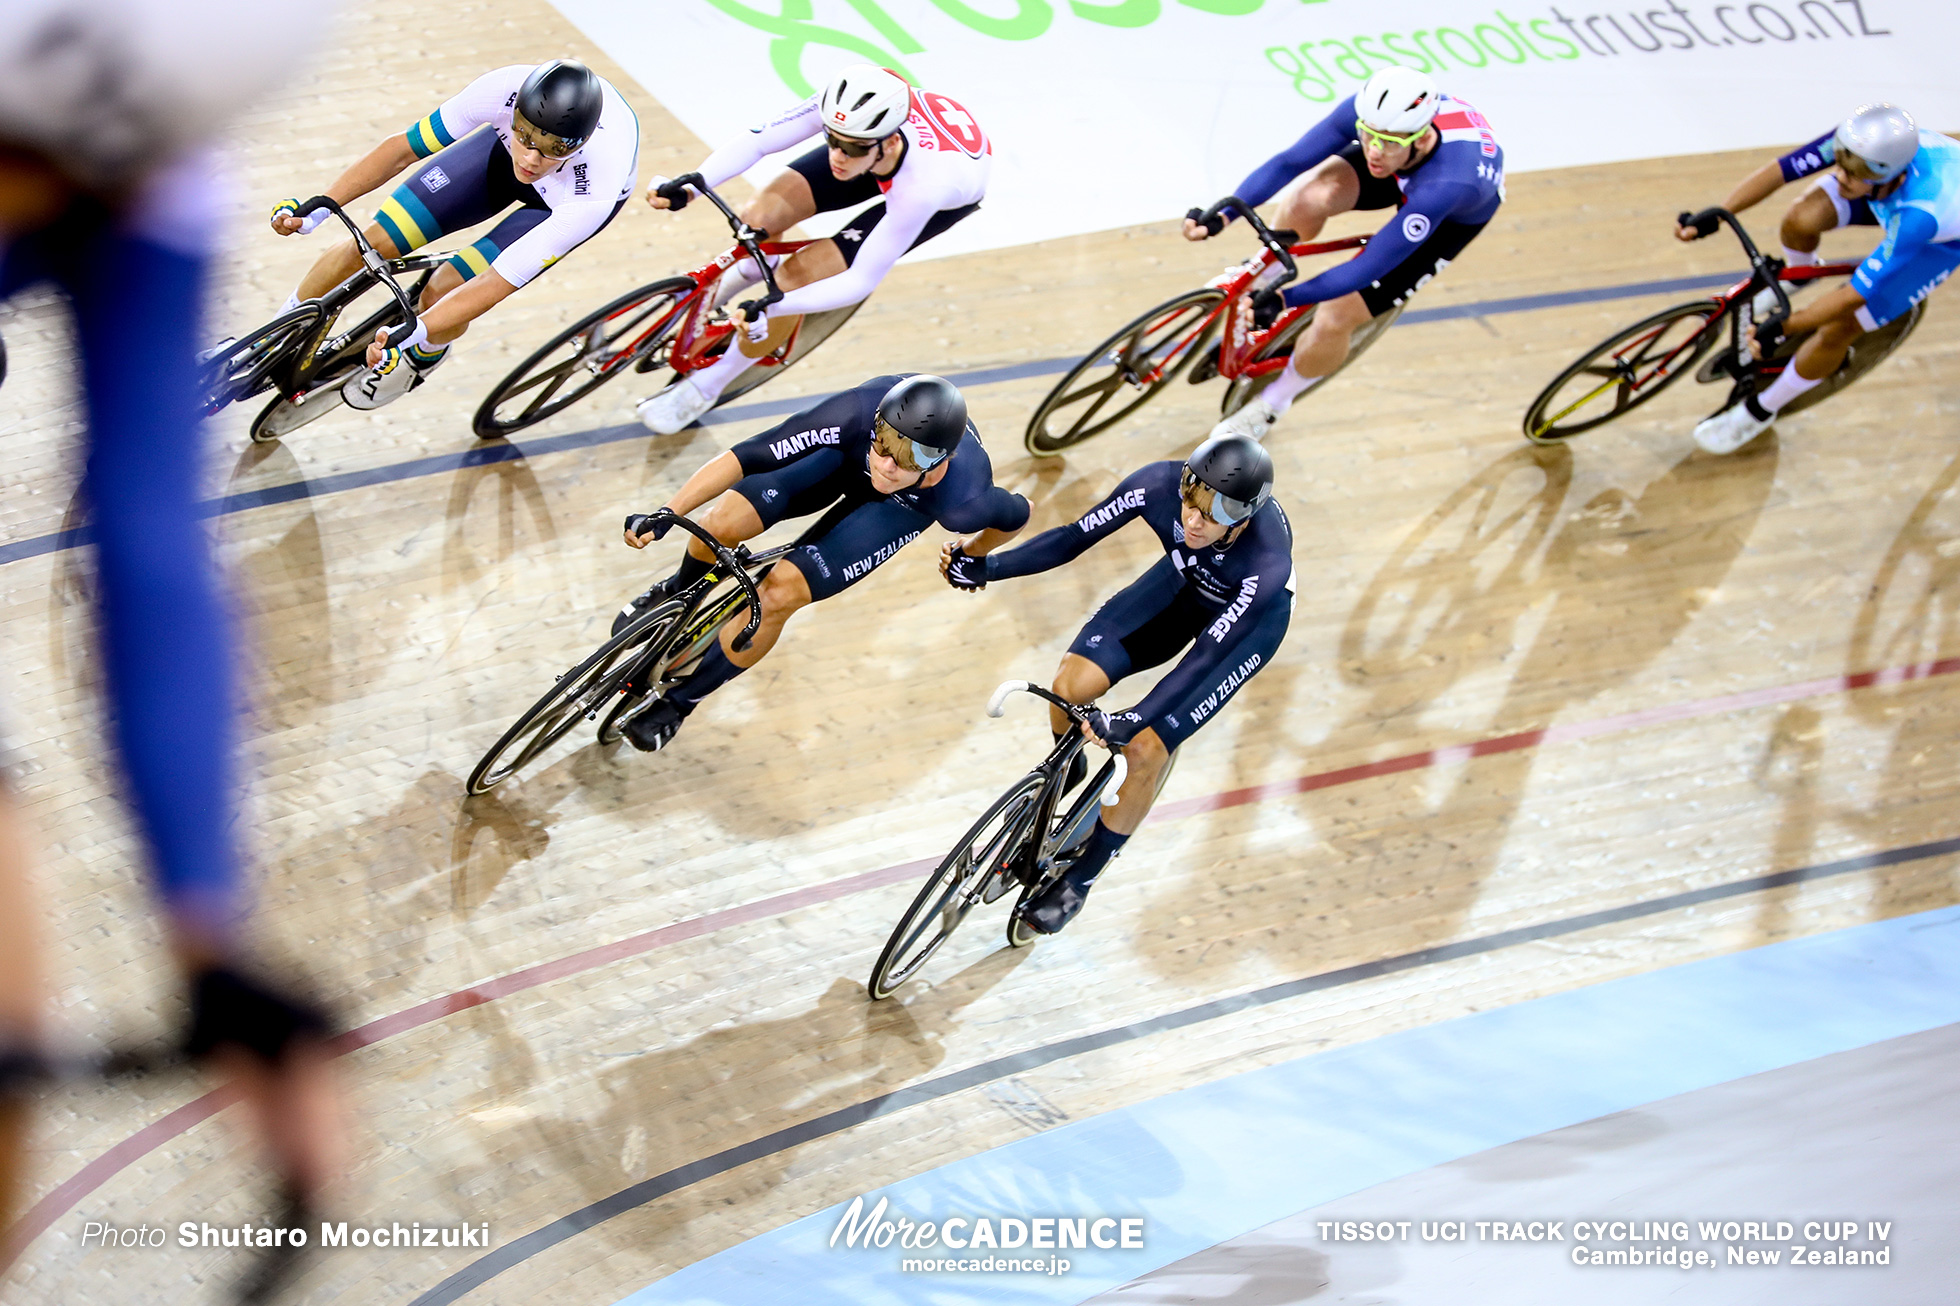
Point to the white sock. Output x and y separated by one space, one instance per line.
292 302
1784 388
715 378
739 278
1286 386
1797 258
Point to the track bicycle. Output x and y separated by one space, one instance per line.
1630 367
672 323
658 648
300 357
1024 841
1140 359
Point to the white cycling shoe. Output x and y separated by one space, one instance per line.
395 376
1255 419
1731 428
674 409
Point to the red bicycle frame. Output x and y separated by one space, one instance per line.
696 335
1242 340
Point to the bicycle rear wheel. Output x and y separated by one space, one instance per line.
1867 352
1240 392
816 328
1147 354
1623 372
961 881
583 357
578 695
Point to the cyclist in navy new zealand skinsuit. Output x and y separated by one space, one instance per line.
1224 588
1397 142
888 458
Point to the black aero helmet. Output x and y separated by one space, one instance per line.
1238 471
560 102
927 410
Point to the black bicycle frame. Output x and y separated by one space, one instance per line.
1052 769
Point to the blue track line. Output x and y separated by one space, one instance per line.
486 454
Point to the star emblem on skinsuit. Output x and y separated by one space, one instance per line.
850 233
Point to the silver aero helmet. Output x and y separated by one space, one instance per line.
865 103
1397 101
1877 142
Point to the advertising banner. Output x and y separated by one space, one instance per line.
1108 112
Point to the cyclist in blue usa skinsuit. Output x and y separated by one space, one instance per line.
1908 182
1398 143
1221 595
886 459
110 195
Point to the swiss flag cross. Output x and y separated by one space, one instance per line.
951 123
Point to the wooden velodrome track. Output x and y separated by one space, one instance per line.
1521 687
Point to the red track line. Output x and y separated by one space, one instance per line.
97 1172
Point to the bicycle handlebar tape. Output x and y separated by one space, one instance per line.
230 1008
1112 792
1212 223
640 523
675 193
1704 222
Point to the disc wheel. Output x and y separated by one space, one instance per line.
1867 352
1144 356
981 861
1240 392
583 357
816 328
1624 371
579 694
248 366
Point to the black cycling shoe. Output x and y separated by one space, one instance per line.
1048 911
657 594
653 727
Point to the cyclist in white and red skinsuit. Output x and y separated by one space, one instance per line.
918 152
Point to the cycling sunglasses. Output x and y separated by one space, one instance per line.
1382 140
1221 508
906 452
850 149
534 138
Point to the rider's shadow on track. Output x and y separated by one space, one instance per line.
280 577
1399 866
651 1106
479 537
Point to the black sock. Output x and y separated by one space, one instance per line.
714 672
1103 843
691 570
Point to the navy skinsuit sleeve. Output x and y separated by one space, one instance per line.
1323 141
1052 548
1815 156
967 500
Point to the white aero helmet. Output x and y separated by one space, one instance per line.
865 102
109 90
1397 101
1879 140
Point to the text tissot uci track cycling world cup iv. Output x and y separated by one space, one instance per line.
1040 70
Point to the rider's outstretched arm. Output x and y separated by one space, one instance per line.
904 220
1323 141
1052 548
376 168
791 127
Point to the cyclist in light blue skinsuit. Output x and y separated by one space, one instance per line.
1911 180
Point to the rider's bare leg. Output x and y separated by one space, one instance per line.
1307 203
1323 346
1808 219
811 263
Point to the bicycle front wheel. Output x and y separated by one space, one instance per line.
1623 372
583 357
580 694
1146 355
248 366
1243 388
986 855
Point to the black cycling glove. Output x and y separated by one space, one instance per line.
964 572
